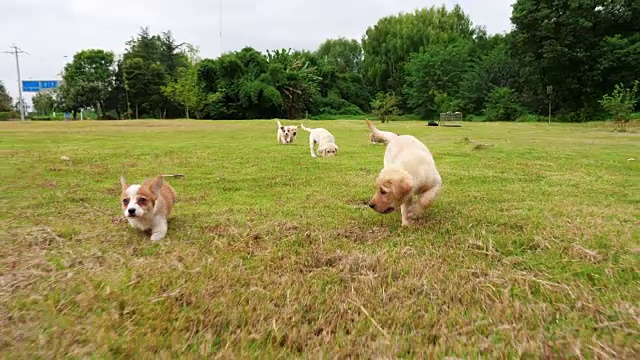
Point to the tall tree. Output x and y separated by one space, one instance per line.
436 72
89 78
295 79
580 47
116 103
342 87
389 44
344 54
149 64
185 91
493 67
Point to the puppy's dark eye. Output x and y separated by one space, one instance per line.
125 201
383 192
142 201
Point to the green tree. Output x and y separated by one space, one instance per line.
439 68
344 54
342 88
143 83
393 40
43 103
5 99
620 104
295 79
89 79
580 47
150 63
67 100
493 66
238 85
385 105
502 105
445 103
185 91
116 104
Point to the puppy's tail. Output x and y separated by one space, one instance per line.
278 122
372 128
305 128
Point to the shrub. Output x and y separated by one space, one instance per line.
334 105
528 118
8 115
385 105
108 116
476 118
620 104
41 118
502 105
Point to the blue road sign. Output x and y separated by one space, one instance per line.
31 86
37 85
49 84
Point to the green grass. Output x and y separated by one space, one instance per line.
531 250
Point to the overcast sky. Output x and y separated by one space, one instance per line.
49 30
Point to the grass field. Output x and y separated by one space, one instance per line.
531 250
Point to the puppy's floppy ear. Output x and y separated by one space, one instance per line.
156 185
123 182
336 146
282 128
404 186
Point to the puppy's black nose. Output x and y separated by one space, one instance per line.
372 205
131 211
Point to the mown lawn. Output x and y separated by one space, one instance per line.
532 249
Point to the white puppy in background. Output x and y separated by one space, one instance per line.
286 134
409 170
378 136
325 140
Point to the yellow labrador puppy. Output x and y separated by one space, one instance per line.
409 170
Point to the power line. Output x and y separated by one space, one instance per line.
16 51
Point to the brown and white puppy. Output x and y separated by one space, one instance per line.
325 140
148 206
378 136
409 170
286 134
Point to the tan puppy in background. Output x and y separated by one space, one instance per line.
148 206
325 140
409 170
379 136
286 134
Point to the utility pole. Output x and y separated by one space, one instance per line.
15 52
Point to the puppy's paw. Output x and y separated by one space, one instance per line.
415 212
156 237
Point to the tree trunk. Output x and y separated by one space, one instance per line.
136 111
292 109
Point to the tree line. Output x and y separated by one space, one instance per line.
432 60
